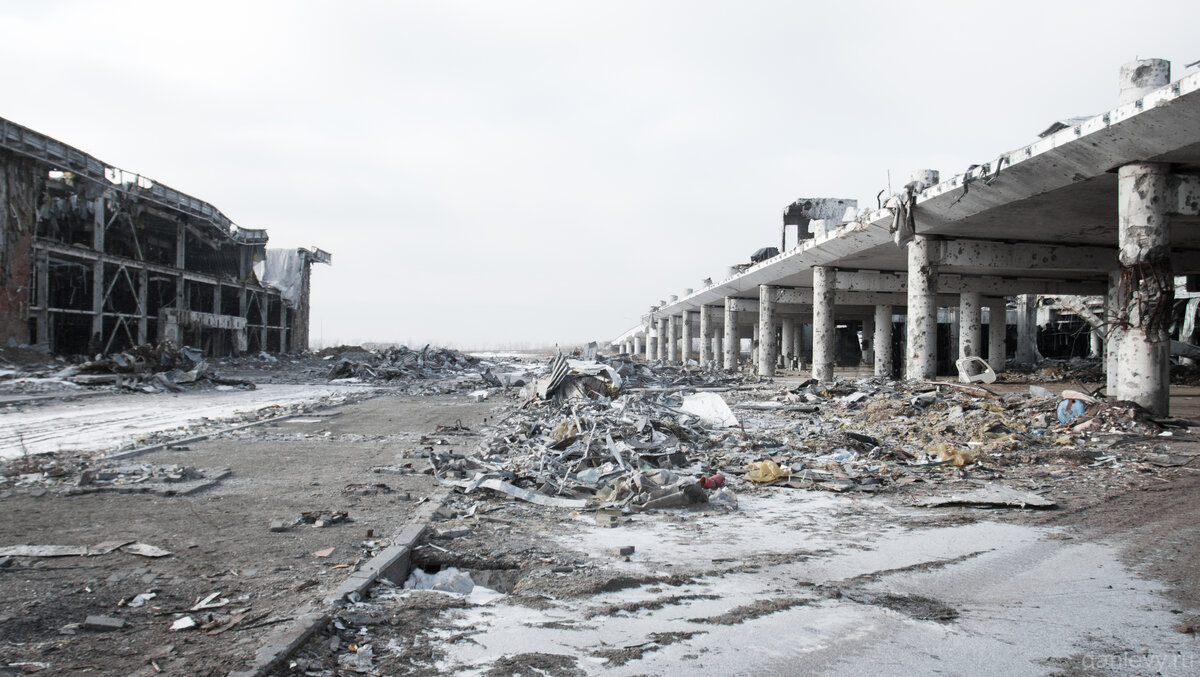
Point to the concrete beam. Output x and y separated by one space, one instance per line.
977 254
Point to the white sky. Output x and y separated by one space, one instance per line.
508 174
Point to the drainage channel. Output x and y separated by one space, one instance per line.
393 564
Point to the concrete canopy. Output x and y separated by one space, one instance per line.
1060 190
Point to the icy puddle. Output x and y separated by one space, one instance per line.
105 423
802 583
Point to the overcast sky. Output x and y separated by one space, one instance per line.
506 174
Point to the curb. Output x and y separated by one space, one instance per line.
392 563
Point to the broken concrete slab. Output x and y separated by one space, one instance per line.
994 496
103 623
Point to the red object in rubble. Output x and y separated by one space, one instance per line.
712 482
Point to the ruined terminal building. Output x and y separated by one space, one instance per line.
95 259
1098 218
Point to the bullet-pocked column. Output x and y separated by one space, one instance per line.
921 359
970 325
662 338
997 333
787 344
672 334
730 347
685 341
766 330
1112 343
867 343
1147 291
1027 350
706 336
883 341
824 279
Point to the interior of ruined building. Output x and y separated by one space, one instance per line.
96 260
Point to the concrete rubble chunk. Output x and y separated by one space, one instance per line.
103 623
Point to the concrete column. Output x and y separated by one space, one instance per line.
730 347
787 340
637 345
672 334
766 330
867 343
143 325
970 325
1112 343
1095 344
717 348
99 222
685 343
754 333
663 338
921 362
824 283
42 270
883 341
997 331
1147 290
706 336
1027 352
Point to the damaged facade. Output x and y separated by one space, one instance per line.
94 259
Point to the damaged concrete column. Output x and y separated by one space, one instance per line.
1112 342
637 345
754 332
921 361
766 330
798 344
672 333
706 336
662 338
1095 344
730 347
997 332
867 342
787 341
824 280
1147 284
883 341
1027 350
685 341
970 327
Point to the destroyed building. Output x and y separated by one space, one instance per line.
95 259
1094 219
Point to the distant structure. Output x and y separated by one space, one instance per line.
94 259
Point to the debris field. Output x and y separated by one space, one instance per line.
575 517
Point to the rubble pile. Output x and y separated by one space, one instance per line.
399 362
586 437
78 474
149 368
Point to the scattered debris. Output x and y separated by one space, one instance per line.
183 623
323 518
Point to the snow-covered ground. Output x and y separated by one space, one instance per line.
109 422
